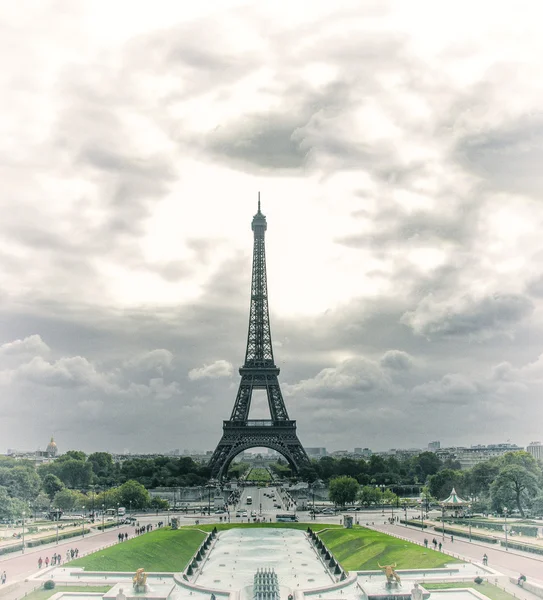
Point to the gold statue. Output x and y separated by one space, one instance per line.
390 573
139 578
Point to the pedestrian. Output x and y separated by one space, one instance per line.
440 546
485 559
425 543
46 562
452 539
40 562
68 555
434 542
3 577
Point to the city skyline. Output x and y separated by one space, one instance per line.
397 152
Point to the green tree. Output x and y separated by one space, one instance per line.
424 465
514 484
10 508
21 482
481 476
66 499
72 455
41 502
102 465
51 484
442 483
158 503
133 494
370 495
343 490
537 506
522 459
75 473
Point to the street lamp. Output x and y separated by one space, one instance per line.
469 520
56 519
505 528
24 531
405 511
209 486
83 523
103 512
117 514
168 516
421 514
92 509
443 522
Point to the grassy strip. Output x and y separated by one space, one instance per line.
493 592
258 474
42 594
361 548
165 550
161 550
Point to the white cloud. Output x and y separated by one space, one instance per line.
216 370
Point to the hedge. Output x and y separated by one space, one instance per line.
40 541
53 538
414 524
106 526
525 547
528 530
474 536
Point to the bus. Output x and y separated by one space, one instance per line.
249 500
286 518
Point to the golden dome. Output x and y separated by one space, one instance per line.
52 447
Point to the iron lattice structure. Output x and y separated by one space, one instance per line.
259 372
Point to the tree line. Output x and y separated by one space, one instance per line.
73 480
512 482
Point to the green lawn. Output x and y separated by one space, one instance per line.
161 550
361 548
258 474
42 594
169 551
493 592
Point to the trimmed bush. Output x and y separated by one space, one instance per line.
521 546
49 585
52 538
528 530
478 580
480 537
414 524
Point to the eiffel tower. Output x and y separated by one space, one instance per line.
259 372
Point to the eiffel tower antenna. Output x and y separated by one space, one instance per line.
259 371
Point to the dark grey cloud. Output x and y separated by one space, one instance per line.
469 316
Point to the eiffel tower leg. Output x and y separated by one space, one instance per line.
280 436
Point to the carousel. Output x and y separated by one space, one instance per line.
455 505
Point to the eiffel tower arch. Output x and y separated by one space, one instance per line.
259 372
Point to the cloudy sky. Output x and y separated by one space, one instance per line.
397 147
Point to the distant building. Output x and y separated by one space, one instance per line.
52 449
433 446
363 452
38 457
316 452
469 457
535 449
340 453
